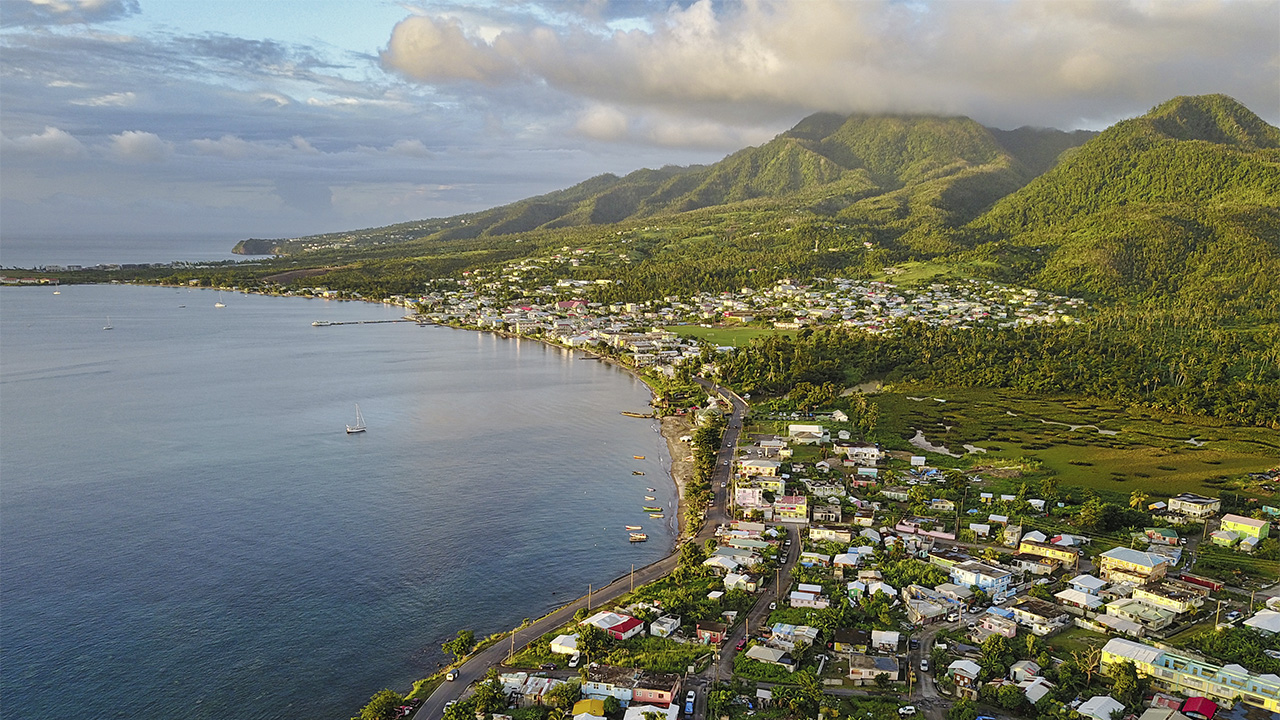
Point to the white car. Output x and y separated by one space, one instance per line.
573 661
907 711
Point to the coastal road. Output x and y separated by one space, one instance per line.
477 665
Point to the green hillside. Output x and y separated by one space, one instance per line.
1181 204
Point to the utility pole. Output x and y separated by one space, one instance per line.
588 597
633 577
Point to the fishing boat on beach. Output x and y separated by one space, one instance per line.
639 537
656 515
633 527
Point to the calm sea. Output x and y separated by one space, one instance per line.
186 531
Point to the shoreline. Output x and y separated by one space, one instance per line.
679 470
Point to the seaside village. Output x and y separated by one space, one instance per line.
916 591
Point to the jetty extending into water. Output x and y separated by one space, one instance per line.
327 323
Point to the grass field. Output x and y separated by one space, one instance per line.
1084 443
727 336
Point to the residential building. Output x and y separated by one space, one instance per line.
1245 527
1034 564
617 626
826 534
792 508
1187 676
772 656
1100 707
655 688
1064 555
604 681
1074 598
810 559
1148 616
1122 564
1023 670
1088 584
664 626
711 633
850 640
896 493
965 674
1168 596
996 625
827 513
767 468
864 669
808 434
991 580
1266 622
1039 616
1196 507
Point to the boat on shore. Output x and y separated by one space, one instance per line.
633 527
638 537
656 515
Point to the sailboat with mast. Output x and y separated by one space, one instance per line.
108 326
359 427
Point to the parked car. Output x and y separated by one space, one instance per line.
742 644
548 666
907 710
924 665
914 643
773 606
573 661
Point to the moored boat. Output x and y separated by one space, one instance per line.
649 489
650 508
639 537
638 457
656 515
650 497
637 472
633 527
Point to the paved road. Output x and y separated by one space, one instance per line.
477 665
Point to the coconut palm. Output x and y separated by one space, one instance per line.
1137 499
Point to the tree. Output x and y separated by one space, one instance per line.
460 645
592 641
1137 499
1126 685
612 706
1011 697
962 709
488 695
564 695
996 656
882 681
382 705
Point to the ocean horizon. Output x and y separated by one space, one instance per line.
188 531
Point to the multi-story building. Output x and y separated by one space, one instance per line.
1065 555
1150 617
791 508
1194 507
991 580
1039 616
1169 596
1187 676
768 468
1245 527
1122 564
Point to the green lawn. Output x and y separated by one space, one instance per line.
1149 451
733 336
1075 639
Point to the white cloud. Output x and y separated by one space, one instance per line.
119 99
139 146
603 122
62 12
992 59
439 50
227 146
52 143
409 148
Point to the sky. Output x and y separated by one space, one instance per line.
281 118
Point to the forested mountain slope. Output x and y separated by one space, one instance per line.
1179 205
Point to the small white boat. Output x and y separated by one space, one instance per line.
108 326
359 427
650 497
649 489
219 303
638 537
633 527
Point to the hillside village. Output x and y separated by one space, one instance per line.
897 588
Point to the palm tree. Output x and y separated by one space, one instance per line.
1137 499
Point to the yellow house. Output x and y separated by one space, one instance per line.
1127 564
1245 527
1064 555
792 507
768 468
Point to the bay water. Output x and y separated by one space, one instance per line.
187 531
